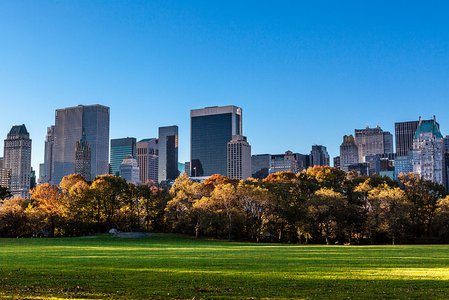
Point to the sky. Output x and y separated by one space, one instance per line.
304 72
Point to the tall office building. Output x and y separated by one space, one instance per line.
17 159
83 159
70 123
168 153
46 170
239 158
372 141
404 135
129 170
319 156
428 152
147 160
349 153
211 130
120 149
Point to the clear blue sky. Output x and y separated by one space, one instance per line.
305 72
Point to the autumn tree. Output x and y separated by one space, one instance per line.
47 199
179 214
390 206
4 193
110 193
14 219
424 196
254 202
325 210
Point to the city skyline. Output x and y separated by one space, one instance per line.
154 62
307 146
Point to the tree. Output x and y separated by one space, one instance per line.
110 192
325 211
254 201
13 218
47 199
4 193
391 207
81 207
179 213
424 196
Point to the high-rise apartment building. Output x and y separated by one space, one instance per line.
120 149
17 159
319 156
211 130
147 160
46 171
70 123
349 153
5 175
428 152
446 161
372 141
168 153
83 159
239 158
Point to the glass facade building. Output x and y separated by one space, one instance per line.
211 130
168 153
120 149
70 123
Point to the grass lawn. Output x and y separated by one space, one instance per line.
168 266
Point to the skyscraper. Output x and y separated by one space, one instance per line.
70 123
211 130
349 153
46 172
404 134
168 153
372 141
428 152
319 156
239 158
17 159
83 159
147 160
120 149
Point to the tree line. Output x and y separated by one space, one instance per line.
319 205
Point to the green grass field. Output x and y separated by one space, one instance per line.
168 266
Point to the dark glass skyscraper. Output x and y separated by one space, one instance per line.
120 149
404 134
70 123
168 153
211 130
